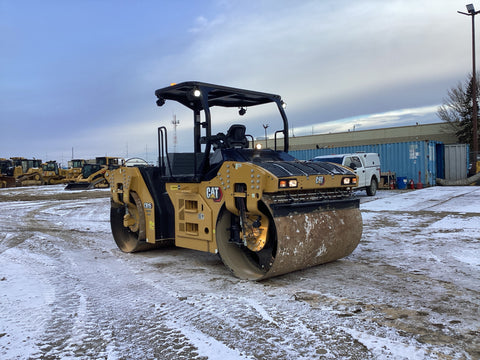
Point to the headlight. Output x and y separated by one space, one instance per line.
349 181
288 183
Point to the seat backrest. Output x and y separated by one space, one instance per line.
236 137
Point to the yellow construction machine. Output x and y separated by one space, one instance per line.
75 167
264 212
93 175
6 173
27 171
53 174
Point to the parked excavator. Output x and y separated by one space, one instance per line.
264 212
92 175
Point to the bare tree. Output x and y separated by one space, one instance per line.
457 110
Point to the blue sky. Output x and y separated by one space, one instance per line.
82 74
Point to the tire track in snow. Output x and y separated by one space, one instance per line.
73 328
182 305
92 318
248 324
24 305
13 227
85 320
278 328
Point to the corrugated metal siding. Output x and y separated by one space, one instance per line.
456 161
406 159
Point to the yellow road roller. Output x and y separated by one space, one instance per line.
264 212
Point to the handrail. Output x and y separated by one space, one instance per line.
253 140
276 132
163 151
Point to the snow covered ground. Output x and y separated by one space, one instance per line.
411 290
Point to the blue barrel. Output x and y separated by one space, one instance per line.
401 183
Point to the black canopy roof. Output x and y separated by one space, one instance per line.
213 95
200 96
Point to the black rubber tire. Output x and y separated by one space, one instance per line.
372 189
126 240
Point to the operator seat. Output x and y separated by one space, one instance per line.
236 138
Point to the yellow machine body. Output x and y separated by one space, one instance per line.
326 233
92 176
27 172
53 174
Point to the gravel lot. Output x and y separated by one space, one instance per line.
410 290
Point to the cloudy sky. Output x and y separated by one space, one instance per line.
81 75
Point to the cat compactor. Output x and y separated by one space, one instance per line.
264 212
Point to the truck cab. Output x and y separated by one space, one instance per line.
365 165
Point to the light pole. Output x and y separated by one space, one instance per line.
265 126
472 13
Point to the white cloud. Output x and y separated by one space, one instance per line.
203 24
315 52
401 117
328 59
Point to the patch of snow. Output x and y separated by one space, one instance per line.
385 348
206 345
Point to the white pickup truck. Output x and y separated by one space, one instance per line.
365 165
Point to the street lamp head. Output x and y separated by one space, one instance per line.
470 8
